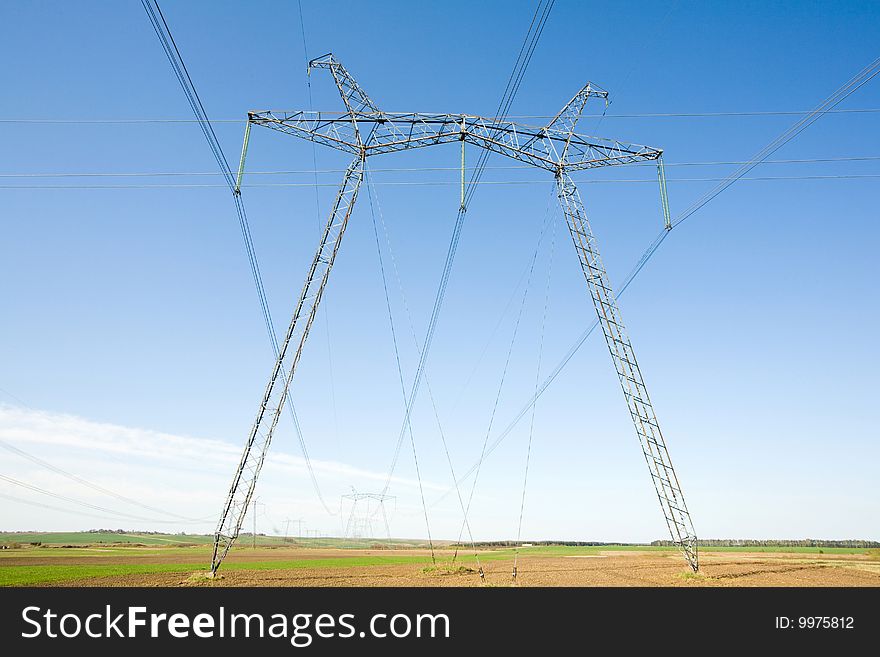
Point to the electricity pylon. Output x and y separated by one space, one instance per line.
364 506
364 130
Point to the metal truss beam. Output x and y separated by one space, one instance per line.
548 147
663 476
364 130
272 403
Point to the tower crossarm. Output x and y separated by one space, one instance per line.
544 147
354 98
567 118
555 149
333 130
565 122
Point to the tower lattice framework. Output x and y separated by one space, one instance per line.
364 130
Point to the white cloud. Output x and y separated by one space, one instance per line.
184 473
22 426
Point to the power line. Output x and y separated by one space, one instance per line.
51 507
43 491
847 89
172 52
522 504
445 183
856 82
149 174
89 484
415 340
397 361
522 62
106 491
324 310
163 31
643 115
548 223
504 371
671 115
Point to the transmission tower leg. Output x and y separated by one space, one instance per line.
653 445
245 479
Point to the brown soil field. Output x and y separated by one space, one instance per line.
611 568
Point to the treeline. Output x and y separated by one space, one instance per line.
515 543
134 531
804 542
704 542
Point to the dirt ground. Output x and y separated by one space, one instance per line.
612 568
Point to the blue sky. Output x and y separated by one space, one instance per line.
133 352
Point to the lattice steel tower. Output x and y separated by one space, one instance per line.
364 130
362 509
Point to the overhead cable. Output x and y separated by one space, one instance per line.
843 92
650 115
172 52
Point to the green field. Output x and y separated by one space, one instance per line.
186 554
39 574
28 575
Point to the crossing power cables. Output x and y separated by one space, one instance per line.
84 482
119 514
650 115
316 171
536 28
839 95
533 35
100 489
160 25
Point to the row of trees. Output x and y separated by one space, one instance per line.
132 531
804 542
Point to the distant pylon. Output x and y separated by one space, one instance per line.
362 511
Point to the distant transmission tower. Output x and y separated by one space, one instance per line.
363 509
364 130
